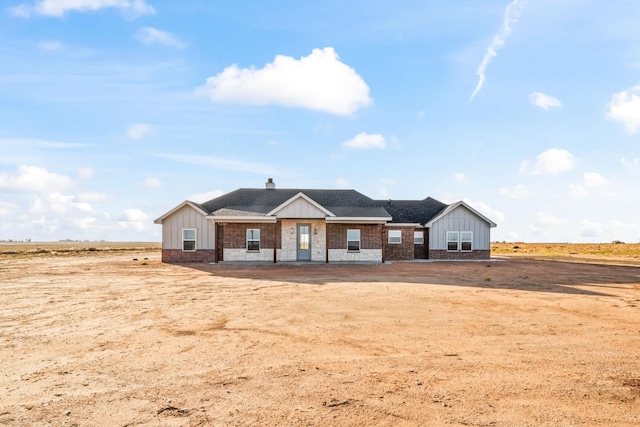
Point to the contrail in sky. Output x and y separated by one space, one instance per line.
511 15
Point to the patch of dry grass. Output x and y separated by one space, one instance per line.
33 249
616 253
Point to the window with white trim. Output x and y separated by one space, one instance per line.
253 239
466 241
353 240
453 238
188 239
418 237
395 237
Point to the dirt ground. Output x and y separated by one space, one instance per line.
104 340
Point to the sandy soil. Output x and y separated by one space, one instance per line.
109 341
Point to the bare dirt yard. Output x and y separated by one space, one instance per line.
101 339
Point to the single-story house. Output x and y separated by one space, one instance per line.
279 225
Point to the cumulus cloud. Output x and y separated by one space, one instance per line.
343 183
577 190
152 183
543 101
544 219
150 35
58 8
517 192
7 208
363 141
134 219
511 16
491 213
319 81
554 161
590 229
630 164
58 203
138 131
459 177
594 179
86 173
625 108
205 197
34 179
93 197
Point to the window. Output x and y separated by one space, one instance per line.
452 240
353 240
466 240
253 239
395 237
418 237
188 239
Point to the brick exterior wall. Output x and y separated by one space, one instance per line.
478 254
235 235
402 251
370 235
177 256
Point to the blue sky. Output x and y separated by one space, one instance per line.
114 111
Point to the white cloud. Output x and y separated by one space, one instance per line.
138 131
544 219
363 141
491 213
594 179
223 163
319 81
625 108
630 164
205 197
577 190
51 46
459 177
543 101
86 173
134 219
554 161
58 8
383 192
152 183
511 15
517 192
59 204
590 229
7 208
343 183
34 179
150 35
92 197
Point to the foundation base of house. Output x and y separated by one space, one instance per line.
177 256
444 255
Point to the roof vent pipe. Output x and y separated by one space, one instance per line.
270 185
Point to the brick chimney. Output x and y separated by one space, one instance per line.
270 185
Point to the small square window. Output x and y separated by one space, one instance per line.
395 237
418 237
188 239
353 240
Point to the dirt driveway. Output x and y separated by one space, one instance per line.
107 341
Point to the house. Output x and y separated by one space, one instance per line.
276 225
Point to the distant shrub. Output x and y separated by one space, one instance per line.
617 242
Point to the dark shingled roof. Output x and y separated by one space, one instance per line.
413 211
342 203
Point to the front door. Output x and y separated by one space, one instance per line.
304 242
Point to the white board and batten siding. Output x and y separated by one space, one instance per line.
187 217
460 219
300 208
